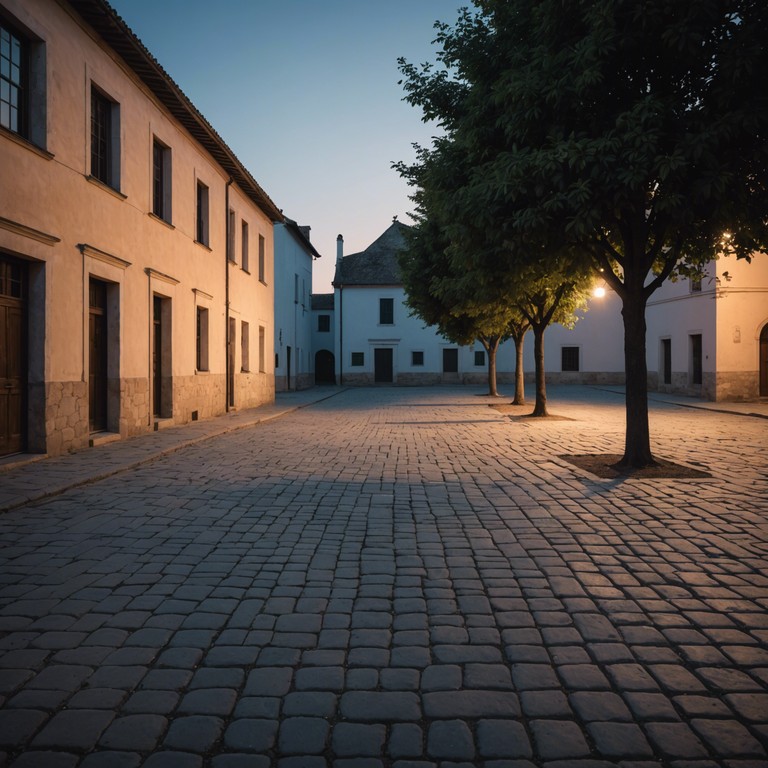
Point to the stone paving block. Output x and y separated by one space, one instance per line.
470 704
207 677
44 700
558 740
675 741
380 706
140 733
60 678
251 735
405 740
534 677
358 740
599 705
151 703
303 736
502 739
170 759
619 740
269 681
241 761
650 706
17 726
74 730
193 734
727 737
450 740
46 759
107 759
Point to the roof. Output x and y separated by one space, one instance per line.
300 233
322 301
377 264
115 32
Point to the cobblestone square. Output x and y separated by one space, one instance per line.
393 578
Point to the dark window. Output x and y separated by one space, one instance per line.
262 273
480 357
244 263
231 235
695 285
666 360
696 359
245 346
323 323
161 181
358 358
450 360
417 358
13 79
104 162
201 340
202 213
570 359
386 311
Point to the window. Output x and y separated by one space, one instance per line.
262 351
696 359
202 339
386 311
417 358
262 273
323 323
358 358
13 74
480 357
105 139
22 84
231 235
295 289
202 214
245 347
244 263
695 285
666 360
570 359
161 181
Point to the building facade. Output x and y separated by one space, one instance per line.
708 339
323 345
136 252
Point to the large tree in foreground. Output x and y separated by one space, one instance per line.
632 131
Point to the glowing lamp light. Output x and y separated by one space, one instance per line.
599 292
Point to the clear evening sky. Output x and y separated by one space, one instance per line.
306 93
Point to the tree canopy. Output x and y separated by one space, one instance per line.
629 134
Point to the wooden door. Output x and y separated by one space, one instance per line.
764 362
231 359
157 356
450 360
12 356
97 356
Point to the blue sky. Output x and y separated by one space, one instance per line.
306 94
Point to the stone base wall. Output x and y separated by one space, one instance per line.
416 379
302 381
65 424
134 407
204 393
254 389
736 385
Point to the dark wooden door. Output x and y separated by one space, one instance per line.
324 367
97 356
451 360
12 356
382 366
157 356
764 362
288 368
231 359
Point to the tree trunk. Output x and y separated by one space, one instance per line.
491 350
519 370
540 409
637 445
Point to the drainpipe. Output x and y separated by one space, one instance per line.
227 340
339 257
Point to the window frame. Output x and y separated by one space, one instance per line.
245 347
244 255
323 320
567 354
202 213
161 180
21 86
202 334
479 355
105 138
384 314
357 359
417 362
262 259
231 236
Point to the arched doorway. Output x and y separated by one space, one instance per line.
325 365
764 361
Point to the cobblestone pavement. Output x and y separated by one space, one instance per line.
399 578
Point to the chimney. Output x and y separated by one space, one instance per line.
339 248
305 230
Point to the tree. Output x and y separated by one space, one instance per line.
431 294
632 132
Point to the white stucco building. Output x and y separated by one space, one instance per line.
294 254
136 251
708 339
323 345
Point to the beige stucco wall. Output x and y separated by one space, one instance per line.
54 208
